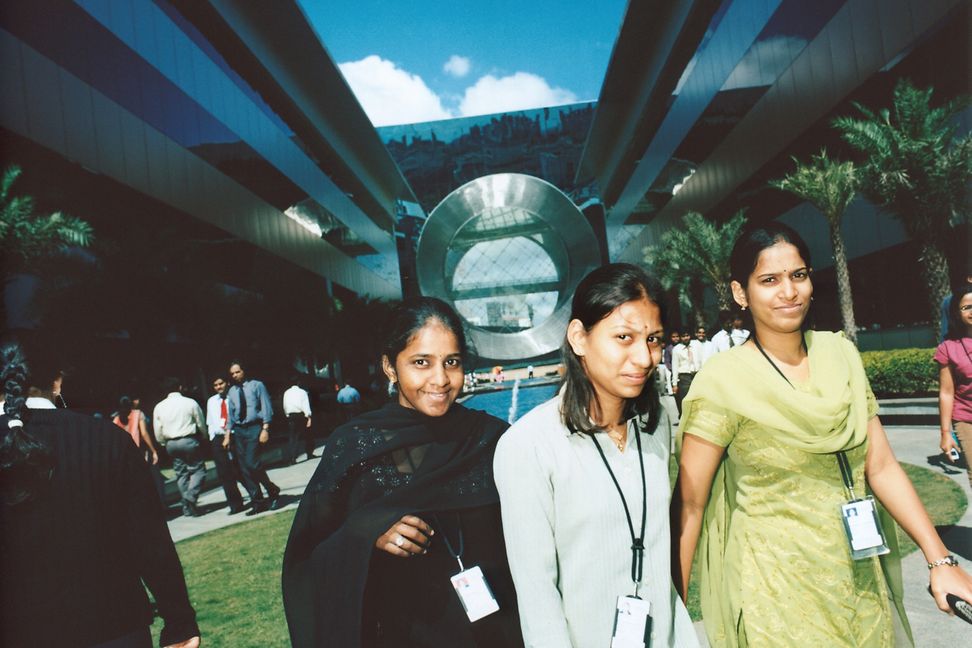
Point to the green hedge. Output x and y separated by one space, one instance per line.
901 372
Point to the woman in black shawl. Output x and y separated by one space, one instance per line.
402 497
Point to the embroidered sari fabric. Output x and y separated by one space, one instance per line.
773 562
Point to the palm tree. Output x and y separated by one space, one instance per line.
25 236
829 185
697 255
916 169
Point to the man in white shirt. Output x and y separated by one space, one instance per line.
683 368
738 334
217 420
702 348
178 422
296 406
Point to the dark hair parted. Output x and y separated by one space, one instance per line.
750 244
957 328
171 384
753 240
26 463
411 315
596 297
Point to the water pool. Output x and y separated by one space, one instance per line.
498 403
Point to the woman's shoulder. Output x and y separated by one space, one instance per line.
536 426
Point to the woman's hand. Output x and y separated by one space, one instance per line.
409 536
947 443
948 579
155 458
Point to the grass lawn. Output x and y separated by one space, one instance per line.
234 583
234 573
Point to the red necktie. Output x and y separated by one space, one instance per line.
222 411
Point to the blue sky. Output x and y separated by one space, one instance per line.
506 54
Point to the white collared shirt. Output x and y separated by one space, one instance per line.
38 403
177 417
295 401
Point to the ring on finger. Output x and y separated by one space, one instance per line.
400 541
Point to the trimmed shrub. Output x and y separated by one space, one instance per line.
901 372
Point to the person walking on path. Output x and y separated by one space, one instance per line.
250 415
349 401
296 406
179 424
217 420
80 525
684 368
131 419
954 357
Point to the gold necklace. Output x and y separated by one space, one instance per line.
618 440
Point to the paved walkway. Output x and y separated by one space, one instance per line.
914 445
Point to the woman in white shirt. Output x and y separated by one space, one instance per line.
584 486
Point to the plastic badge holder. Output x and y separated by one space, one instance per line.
865 537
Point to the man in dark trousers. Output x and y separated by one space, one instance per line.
217 420
250 414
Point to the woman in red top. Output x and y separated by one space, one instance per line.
131 420
954 355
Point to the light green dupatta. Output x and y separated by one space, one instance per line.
832 417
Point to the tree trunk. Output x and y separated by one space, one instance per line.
697 297
934 271
844 296
723 295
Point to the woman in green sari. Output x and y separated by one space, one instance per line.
776 434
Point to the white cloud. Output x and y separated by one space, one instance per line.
389 94
457 66
519 91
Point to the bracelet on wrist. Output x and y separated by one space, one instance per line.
949 560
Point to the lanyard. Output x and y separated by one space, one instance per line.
637 542
461 543
445 538
846 473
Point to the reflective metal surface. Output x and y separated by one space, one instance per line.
476 246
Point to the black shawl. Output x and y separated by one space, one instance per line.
326 562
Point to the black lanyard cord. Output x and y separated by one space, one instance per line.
845 470
445 538
637 542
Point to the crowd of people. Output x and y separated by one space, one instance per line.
430 524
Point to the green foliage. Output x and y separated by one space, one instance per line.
26 236
901 372
827 184
699 251
914 166
943 499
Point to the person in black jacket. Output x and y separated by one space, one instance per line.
81 527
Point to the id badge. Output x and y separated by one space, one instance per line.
865 537
632 623
474 593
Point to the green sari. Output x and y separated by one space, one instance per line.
773 562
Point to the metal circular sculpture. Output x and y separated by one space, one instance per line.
507 251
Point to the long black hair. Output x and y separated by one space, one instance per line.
26 462
957 329
124 409
408 318
596 297
745 255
